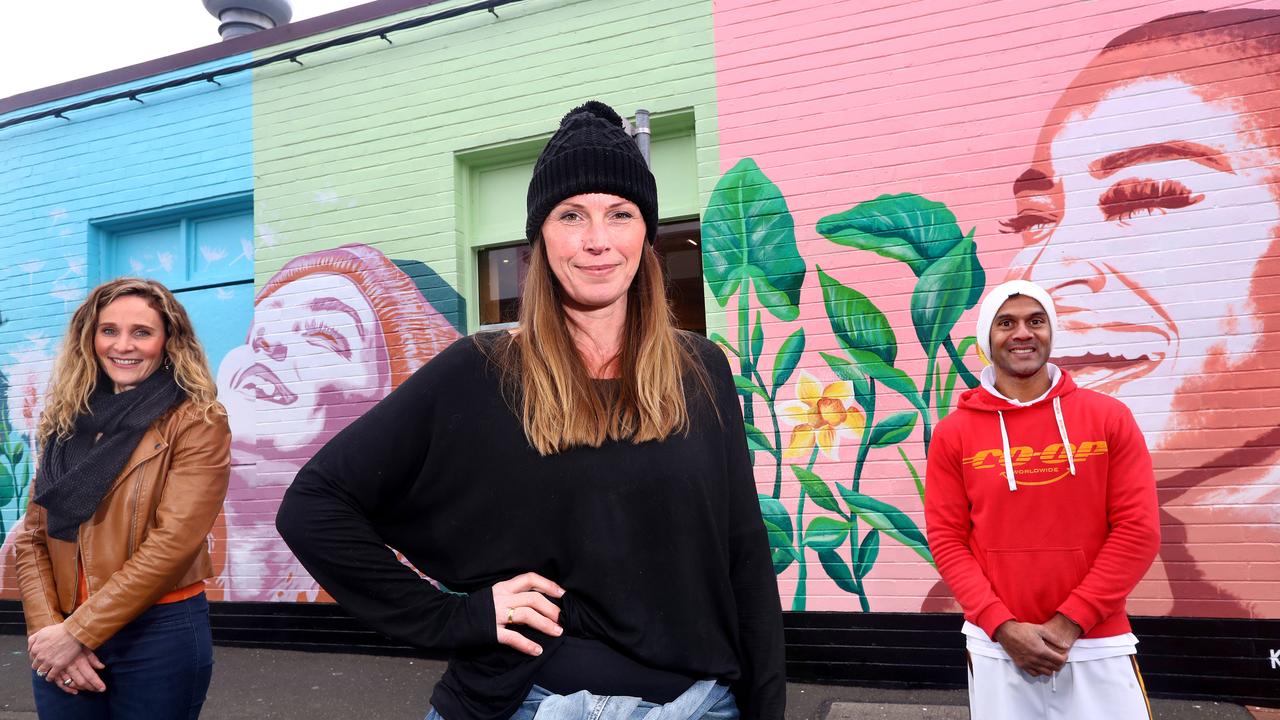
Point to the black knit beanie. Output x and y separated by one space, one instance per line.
591 153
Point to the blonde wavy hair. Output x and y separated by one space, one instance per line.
76 370
559 404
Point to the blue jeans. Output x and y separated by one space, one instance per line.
158 668
706 700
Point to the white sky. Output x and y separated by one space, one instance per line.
46 42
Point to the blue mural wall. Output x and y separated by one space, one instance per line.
108 191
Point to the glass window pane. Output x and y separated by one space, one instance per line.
679 248
502 272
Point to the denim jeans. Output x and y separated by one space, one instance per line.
157 668
706 700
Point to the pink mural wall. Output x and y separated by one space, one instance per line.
921 156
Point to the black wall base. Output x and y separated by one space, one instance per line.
1190 658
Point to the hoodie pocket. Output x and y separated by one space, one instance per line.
1032 583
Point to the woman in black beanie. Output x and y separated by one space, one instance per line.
580 485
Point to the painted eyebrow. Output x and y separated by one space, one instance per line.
1032 181
1156 152
322 304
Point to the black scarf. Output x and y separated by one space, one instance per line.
76 473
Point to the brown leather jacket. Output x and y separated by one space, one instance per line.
147 538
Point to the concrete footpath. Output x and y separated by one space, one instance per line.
251 684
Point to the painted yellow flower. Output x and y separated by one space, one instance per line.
821 415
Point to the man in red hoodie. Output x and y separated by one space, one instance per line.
1041 513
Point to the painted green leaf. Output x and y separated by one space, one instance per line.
775 513
856 321
780 550
871 365
846 370
745 384
837 570
816 488
9 487
914 474
904 227
868 551
748 235
893 429
16 452
757 340
720 340
944 291
784 363
887 519
825 533
756 439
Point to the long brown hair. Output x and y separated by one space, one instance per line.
559 404
75 373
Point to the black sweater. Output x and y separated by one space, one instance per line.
659 546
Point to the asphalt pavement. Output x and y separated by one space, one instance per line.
249 684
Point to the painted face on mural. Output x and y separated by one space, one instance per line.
1132 181
315 346
593 245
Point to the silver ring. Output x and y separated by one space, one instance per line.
66 682
42 674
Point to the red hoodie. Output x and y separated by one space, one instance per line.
1075 544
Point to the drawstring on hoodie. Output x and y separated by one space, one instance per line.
1062 431
1008 459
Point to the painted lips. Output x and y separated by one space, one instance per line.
263 384
1104 371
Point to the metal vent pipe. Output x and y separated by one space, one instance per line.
242 17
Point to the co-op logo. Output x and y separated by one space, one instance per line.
1037 467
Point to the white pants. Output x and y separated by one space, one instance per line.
1110 688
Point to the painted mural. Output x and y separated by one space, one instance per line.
334 331
865 173
749 238
1138 186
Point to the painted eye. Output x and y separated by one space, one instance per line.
1133 197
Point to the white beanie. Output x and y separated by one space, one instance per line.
997 297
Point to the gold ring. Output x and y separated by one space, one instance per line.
510 615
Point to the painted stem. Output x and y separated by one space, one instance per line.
744 352
968 377
777 436
925 397
865 447
798 602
